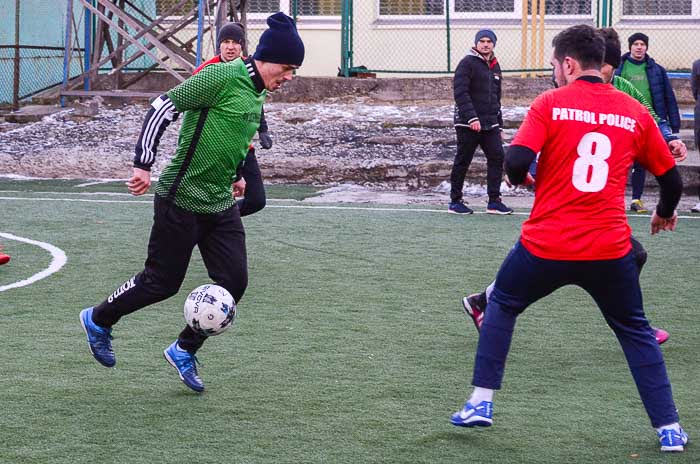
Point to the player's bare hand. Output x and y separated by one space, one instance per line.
140 182
658 223
678 150
239 188
475 126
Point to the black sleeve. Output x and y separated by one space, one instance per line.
517 162
254 199
263 121
499 93
158 118
695 80
463 99
671 186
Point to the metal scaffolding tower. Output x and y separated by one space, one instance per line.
113 26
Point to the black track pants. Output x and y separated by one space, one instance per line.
492 145
221 241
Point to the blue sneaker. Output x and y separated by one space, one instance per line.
185 363
99 339
497 207
470 416
673 441
458 207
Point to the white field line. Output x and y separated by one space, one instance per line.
323 207
100 182
57 262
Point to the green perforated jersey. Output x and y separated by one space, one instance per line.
623 85
222 112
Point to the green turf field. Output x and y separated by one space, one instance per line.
350 345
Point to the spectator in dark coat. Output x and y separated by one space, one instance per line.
695 85
652 81
478 122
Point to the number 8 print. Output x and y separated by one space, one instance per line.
593 149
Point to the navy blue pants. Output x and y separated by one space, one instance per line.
613 284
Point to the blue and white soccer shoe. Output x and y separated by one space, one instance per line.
99 339
185 363
480 415
672 440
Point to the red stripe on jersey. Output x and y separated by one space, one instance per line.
216 59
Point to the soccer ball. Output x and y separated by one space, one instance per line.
209 310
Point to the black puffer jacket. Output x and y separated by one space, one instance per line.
477 89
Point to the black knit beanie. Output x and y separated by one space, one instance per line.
281 42
638 36
231 31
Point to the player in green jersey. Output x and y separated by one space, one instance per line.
193 204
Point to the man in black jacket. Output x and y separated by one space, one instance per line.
478 121
695 86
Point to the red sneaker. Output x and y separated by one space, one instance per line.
661 335
473 309
4 259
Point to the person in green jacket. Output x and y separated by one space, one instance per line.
612 62
194 204
651 79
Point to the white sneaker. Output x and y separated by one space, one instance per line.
696 208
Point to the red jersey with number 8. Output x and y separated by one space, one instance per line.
588 135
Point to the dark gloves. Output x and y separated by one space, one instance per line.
265 140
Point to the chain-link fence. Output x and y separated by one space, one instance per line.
388 37
431 36
39 68
31 48
32 44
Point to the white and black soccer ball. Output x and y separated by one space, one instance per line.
209 310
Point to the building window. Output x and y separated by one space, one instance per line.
411 7
566 7
319 7
657 7
483 6
263 6
304 7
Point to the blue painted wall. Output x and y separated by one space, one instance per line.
43 23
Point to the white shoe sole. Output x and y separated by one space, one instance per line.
674 449
494 211
475 422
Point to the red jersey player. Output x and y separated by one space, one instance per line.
577 233
475 304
